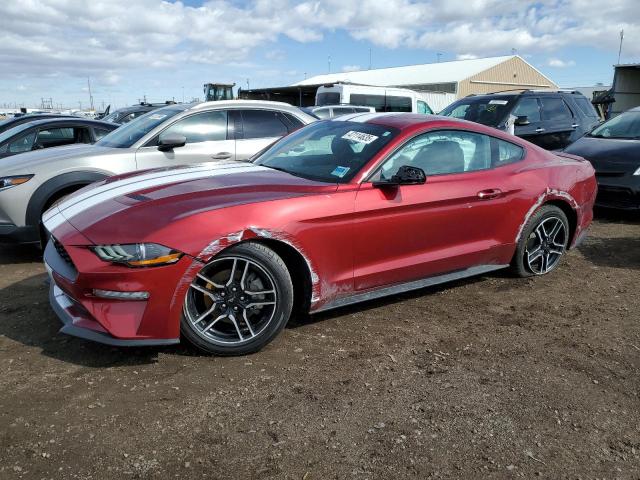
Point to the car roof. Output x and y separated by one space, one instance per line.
403 121
243 103
63 120
338 105
517 93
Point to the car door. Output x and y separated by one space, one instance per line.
451 222
207 138
256 129
533 130
558 122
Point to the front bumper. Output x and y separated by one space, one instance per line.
10 233
75 271
76 322
620 192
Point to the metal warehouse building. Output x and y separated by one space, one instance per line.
458 78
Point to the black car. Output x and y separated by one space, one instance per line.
126 114
550 119
29 117
52 132
613 149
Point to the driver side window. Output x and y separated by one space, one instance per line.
202 127
440 153
22 144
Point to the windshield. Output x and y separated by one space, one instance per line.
487 111
328 98
12 131
626 125
130 133
327 151
111 117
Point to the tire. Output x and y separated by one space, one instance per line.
238 302
541 248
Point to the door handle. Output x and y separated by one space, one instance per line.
221 156
574 126
539 130
489 194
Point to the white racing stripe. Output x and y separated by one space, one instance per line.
165 174
69 209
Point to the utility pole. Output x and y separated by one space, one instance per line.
620 49
90 95
329 62
248 87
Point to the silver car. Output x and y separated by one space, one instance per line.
178 134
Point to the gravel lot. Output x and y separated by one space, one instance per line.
493 377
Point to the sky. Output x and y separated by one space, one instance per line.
160 50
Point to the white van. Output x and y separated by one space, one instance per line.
383 99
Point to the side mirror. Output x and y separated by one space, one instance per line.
522 120
406 175
168 142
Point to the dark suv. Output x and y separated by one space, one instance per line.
126 114
550 119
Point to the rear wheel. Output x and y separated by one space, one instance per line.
543 242
238 302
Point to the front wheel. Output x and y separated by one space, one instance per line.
543 242
238 302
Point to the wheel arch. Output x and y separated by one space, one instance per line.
66 182
570 212
298 269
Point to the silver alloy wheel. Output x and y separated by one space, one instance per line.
545 245
231 301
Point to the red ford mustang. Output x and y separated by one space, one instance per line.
339 212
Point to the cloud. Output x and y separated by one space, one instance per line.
557 63
109 39
351 68
466 56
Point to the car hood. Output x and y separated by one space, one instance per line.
133 206
608 155
27 162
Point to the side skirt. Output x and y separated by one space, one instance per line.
407 287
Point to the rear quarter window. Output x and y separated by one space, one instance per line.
586 107
506 153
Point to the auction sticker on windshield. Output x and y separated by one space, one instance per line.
157 116
360 137
340 171
498 102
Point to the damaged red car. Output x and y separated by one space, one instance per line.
338 212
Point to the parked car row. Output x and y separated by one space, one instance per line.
337 212
172 135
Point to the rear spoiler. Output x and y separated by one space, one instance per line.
570 156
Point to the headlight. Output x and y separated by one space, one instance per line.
138 254
6 182
637 172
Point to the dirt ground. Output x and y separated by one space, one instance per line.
493 377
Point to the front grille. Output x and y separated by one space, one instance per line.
61 251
